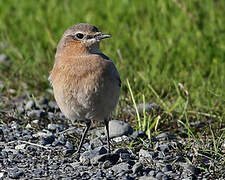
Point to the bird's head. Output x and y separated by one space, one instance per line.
83 37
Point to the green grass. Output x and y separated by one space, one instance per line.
155 44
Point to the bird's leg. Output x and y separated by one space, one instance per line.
106 121
88 124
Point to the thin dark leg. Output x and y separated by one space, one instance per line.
106 121
88 124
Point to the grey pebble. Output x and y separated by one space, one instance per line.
164 136
36 122
164 148
88 155
148 107
1 84
137 167
20 109
36 113
53 106
5 60
21 146
192 169
122 167
96 142
29 105
54 127
146 154
43 101
119 128
69 145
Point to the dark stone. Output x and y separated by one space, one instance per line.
192 169
164 148
43 101
138 134
47 140
68 152
167 168
113 158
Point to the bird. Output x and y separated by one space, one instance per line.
86 83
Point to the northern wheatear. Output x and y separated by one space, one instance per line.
86 83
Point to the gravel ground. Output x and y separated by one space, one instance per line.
36 142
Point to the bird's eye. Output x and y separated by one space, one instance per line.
79 35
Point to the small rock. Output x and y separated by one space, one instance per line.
42 134
28 126
94 143
14 125
20 109
43 101
52 127
68 152
69 145
1 174
147 154
164 148
121 139
30 105
138 134
164 136
119 128
118 168
121 150
53 106
1 84
88 155
5 60
36 114
51 116
36 122
159 175
113 158
47 140
106 164
21 146
125 157
192 169
147 107
100 133
167 168
137 167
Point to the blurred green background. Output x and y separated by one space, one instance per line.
155 44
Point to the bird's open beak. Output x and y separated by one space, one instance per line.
102 36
